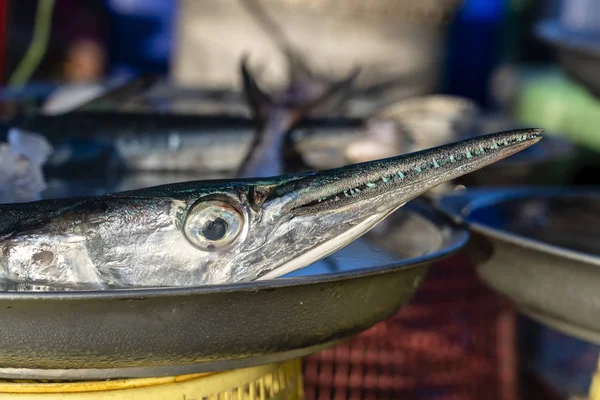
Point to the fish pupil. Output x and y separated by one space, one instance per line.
215 229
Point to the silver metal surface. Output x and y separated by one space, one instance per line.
544 252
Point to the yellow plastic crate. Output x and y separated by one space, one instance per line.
267 382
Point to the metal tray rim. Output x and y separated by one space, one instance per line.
479 198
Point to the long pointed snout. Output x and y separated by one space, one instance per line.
325 211
408 175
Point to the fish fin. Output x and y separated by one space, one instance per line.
334 95
262 107
275 119
304 82
298 70
260 103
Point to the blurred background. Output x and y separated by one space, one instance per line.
473 48
518 62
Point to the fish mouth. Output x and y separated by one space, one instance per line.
410 175
359 196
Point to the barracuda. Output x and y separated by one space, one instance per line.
223 231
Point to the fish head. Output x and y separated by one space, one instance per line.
271 227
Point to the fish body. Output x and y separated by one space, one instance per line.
101 142
96 142
224 231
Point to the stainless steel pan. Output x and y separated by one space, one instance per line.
156 332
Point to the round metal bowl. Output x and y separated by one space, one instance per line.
540 248
167 332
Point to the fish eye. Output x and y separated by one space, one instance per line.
212 225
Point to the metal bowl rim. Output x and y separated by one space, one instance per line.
486 197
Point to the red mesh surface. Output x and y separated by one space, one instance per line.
454 341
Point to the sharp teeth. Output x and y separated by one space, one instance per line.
371 185
469 155
494 145
346 194
435 164
452 159
418 169
357 190
401 175
384 179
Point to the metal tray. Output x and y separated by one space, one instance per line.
164 332
539 247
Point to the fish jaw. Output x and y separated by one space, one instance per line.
329 209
